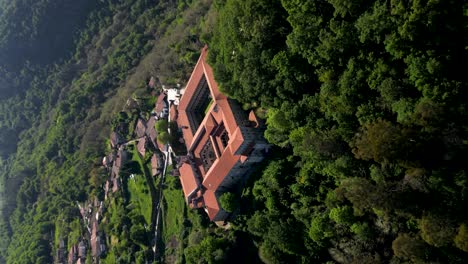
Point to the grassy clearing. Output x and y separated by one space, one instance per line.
140 197
173 219
174 211
208 106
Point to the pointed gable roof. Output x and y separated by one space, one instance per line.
140 128
161 103
141 146
188 180
211 204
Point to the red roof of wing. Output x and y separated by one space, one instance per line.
228 116
173 112
71 253
150 130
115 185
219 170
236 141
202 69
141 146
211 204
197 74
161 103
94 230
140 128
114 139
187 178
154 164
154 161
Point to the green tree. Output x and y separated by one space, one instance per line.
461 239
164 137
436 230
361 230
229 202
161 125
210 250
342 215
408 247
320 228
138 234
381 141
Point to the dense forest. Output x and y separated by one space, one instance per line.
369 100
365 104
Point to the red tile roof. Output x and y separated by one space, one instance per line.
160 103
211 204
115 184
115 139
140 128
141 146
219 170
236 141
154 165
151 132
72 254
161 146
94 246
188 180
173 113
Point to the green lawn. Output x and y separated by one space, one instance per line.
208 106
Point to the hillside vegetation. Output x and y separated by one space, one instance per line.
57 108
365 105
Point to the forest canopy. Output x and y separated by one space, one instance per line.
369 100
